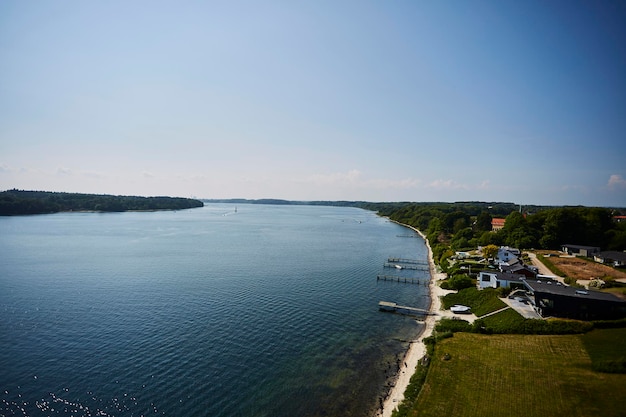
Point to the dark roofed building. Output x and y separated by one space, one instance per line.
615 258
580 250
519 268
553 299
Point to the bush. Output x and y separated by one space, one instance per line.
609 324
504 291
453 326
510 322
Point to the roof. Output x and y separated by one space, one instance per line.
579 247
497 221
505 276
515 267
612 255
555 287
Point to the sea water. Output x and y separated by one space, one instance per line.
253 310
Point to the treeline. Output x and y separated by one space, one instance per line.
279 202
466 225
15 202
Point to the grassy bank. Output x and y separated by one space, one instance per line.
526 376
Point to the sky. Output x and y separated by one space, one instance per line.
512 101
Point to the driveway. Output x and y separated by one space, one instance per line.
543 270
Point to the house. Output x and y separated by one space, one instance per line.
554 299
578 250
497 224
507 254
497 279
615 258
518 267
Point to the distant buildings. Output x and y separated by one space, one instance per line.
497 224
579 250
614 258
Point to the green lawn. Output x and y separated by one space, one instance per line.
520 375
607 349
482 302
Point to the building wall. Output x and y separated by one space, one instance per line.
486 280
580 308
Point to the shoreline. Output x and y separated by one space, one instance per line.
417 348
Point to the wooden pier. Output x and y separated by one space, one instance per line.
395 308
407 261
414 267
405 280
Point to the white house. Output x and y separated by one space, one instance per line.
507 254
497 279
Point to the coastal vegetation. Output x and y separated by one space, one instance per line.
470 365
466 225
15 202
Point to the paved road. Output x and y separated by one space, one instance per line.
543 270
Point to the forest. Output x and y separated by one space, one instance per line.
16 202
466 225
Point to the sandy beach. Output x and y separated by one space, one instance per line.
417 348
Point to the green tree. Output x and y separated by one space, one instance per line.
490 251
517 232
483 222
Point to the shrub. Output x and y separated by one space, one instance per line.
511 322
453 326
609 324
459 282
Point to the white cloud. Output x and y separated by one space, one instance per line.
336 178
64 171
355 179
616 182
447 185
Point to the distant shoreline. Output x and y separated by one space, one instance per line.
20 202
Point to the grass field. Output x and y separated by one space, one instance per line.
526 376
607 349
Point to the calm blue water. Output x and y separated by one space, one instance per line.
269 311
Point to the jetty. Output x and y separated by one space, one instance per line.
404 266
405 280
395 308
407 261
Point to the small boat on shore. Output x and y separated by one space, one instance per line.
460 309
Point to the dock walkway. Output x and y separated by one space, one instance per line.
405 280
407 261
395 308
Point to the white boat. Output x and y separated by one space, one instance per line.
460 309
398 266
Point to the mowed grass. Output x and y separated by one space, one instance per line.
517 375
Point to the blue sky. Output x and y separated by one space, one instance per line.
353 100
